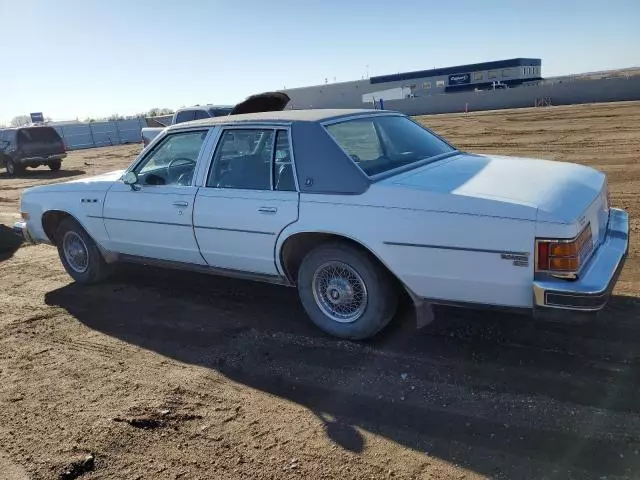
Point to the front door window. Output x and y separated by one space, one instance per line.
173 161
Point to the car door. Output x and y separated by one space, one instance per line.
153 218
249 197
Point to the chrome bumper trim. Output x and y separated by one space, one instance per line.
45 158
21 229
592 290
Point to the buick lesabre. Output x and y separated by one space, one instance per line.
351 207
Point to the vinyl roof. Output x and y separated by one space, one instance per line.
308 115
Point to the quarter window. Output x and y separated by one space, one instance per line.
243 160
173 161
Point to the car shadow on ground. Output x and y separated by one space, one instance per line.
42 174
491 392
9 242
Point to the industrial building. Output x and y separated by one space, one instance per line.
423 83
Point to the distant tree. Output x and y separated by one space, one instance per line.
154 112
20 120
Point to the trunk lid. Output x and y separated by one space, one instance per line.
560 192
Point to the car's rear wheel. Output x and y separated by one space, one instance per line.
13 168
79 254
55 165
346 292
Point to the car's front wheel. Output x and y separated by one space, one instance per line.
79 254
346 292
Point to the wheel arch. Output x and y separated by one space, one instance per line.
51 219
295 246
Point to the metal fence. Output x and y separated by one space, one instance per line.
548 93
101 134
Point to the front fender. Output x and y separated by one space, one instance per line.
84 206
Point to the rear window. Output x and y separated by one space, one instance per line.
219 112
38 134
380 143
185 116
200 114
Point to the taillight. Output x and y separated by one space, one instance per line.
564 256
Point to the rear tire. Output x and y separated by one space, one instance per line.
346 292
55 165
79 254
13 168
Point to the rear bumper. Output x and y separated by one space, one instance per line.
592 290
42 159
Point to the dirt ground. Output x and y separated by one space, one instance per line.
168 375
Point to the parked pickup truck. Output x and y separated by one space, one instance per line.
200 112
24 147
186 115
349 206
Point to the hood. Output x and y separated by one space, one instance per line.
100 182
262 102
558 191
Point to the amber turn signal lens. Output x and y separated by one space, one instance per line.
564 250
564 264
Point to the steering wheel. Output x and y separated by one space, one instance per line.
170 178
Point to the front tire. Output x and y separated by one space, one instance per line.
79 254
55 165
345 292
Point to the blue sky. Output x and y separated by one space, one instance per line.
71 58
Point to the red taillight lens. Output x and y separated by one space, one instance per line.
543 256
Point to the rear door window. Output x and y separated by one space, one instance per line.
243 160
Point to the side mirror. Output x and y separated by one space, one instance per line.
131 179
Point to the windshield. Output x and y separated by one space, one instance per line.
381 143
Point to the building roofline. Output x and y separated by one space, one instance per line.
438 72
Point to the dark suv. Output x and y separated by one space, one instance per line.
30 147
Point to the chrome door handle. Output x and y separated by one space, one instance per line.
181 204
267 209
